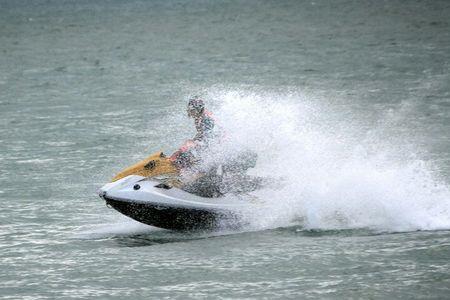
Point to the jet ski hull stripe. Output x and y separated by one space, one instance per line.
176 218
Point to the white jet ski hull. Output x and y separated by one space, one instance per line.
150 202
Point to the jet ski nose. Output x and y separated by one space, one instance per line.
102 194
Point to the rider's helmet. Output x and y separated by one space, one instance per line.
196 106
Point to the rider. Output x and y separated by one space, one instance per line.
205 126
204 123
204 179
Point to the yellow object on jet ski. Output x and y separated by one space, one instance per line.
154 165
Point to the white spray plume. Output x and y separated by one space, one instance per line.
332 180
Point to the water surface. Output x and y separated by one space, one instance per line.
354 95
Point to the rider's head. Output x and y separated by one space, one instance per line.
196 106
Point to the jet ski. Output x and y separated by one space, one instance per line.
151 192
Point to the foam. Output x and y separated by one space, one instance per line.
332 179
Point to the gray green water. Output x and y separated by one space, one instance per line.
356 94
